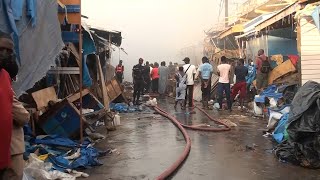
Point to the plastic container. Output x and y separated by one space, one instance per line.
116 120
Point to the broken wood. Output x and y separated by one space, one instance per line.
42 97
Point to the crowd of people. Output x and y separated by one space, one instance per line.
153 78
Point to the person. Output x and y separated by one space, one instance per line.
263 69
155 77
190 70
138 81
224 82
147 77
163 78
205 74
6 101
172 70
181 86
119 71
241 72
20 117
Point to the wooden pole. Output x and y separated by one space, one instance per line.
226 12
80 68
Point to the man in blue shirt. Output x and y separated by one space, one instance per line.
205 74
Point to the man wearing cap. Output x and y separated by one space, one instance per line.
20 117
138 81
190 71
119 71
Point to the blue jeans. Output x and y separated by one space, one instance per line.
224 88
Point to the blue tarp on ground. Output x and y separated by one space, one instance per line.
270 92
279 132
51 145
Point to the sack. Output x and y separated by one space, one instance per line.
265 67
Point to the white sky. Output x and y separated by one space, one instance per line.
155 30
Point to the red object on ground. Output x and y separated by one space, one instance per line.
6 99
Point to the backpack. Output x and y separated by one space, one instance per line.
265 67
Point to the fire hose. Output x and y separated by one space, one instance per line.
169 171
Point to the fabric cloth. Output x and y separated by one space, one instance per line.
190 73
137 72
239 86
155 85
294 59
251 74
206 70
163 79
38 45
15 170
241 72
224 70
155 73
206 90
6 100
224 88
259 60
181 86
278 58
262 80
20 117
189 94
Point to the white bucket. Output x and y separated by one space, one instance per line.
116 120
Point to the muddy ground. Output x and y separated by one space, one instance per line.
146 144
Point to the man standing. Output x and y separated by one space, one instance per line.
205 74
147 77
241 72
263 69
20 118
224 83
119 71
138 81
190 71
6 100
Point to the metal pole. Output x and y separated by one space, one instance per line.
80 68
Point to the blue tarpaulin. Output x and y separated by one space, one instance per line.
278 133
251 74
37 37
270 92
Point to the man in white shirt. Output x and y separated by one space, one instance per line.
190 71
224 83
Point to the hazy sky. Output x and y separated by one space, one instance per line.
155 30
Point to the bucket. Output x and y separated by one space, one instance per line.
116 120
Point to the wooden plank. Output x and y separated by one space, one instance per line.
310 71
310 62
311 67
43 96
116 86
76 96
106 99
112 94
70 2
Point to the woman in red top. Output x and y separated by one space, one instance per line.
155 78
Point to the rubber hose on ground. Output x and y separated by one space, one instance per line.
169 171
208 129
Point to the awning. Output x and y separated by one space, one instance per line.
278 16
245 34
234 29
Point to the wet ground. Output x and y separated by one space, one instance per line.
146 144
